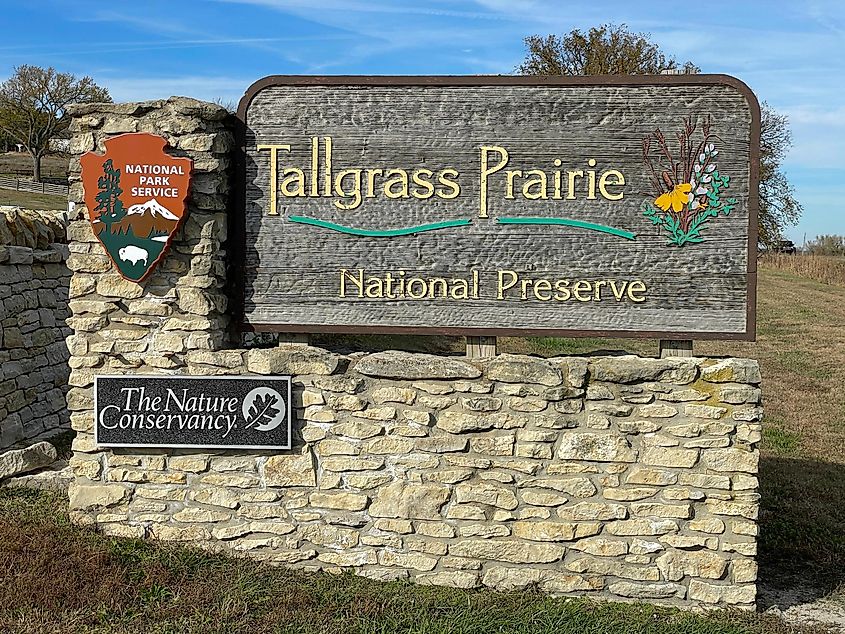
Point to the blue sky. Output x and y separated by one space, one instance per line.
792 54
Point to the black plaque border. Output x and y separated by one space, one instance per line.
288 404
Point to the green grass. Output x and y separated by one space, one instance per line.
55 577
805 364
780 441
29 200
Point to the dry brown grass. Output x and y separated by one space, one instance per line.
19 165
827 269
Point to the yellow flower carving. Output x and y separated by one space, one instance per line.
676 199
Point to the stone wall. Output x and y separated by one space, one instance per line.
622 477
619 477
33 308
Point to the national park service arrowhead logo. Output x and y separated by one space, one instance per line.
135 194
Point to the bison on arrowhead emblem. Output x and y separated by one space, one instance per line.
135 194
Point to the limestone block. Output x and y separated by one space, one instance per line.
393 364
675 565
601 547
542 498
84 497
485 493
510 368
449 578
290 470
21 461
595 447
655 509
482 404
507 551
349 559
732 371
116 286
415 561
634 369
578 486
445 443
377 413
494 445
555 531
726 594
508 579
389 446
190 533
410 501
593 511
641 526
393 394
292 360
669 457
350 463
342 501
330 536
657 410
458 422
647 591
727 460
357 429
214 496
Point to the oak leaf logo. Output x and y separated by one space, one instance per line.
263 409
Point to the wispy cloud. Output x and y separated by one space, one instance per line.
344 8
208 88
141 46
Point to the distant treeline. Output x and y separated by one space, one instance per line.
826 245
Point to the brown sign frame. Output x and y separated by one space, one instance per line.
237 220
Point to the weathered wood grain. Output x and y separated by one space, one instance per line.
292 270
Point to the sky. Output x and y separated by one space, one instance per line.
792 54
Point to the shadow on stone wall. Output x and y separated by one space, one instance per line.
802 530
34 287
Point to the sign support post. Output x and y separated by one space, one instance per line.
675 348
481 347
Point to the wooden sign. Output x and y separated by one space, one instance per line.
623 206
135 193
213 412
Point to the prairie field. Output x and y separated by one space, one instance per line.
19 165
55 577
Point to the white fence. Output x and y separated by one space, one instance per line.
22 185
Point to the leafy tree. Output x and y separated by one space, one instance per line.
778 206
614 50
603 50
32 106
827 245
108 198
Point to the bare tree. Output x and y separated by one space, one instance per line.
32 106
614 50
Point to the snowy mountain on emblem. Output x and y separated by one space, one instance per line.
154 208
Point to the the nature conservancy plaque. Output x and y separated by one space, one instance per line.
492 205
198 412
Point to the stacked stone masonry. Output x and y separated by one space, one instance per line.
33 309
617 477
